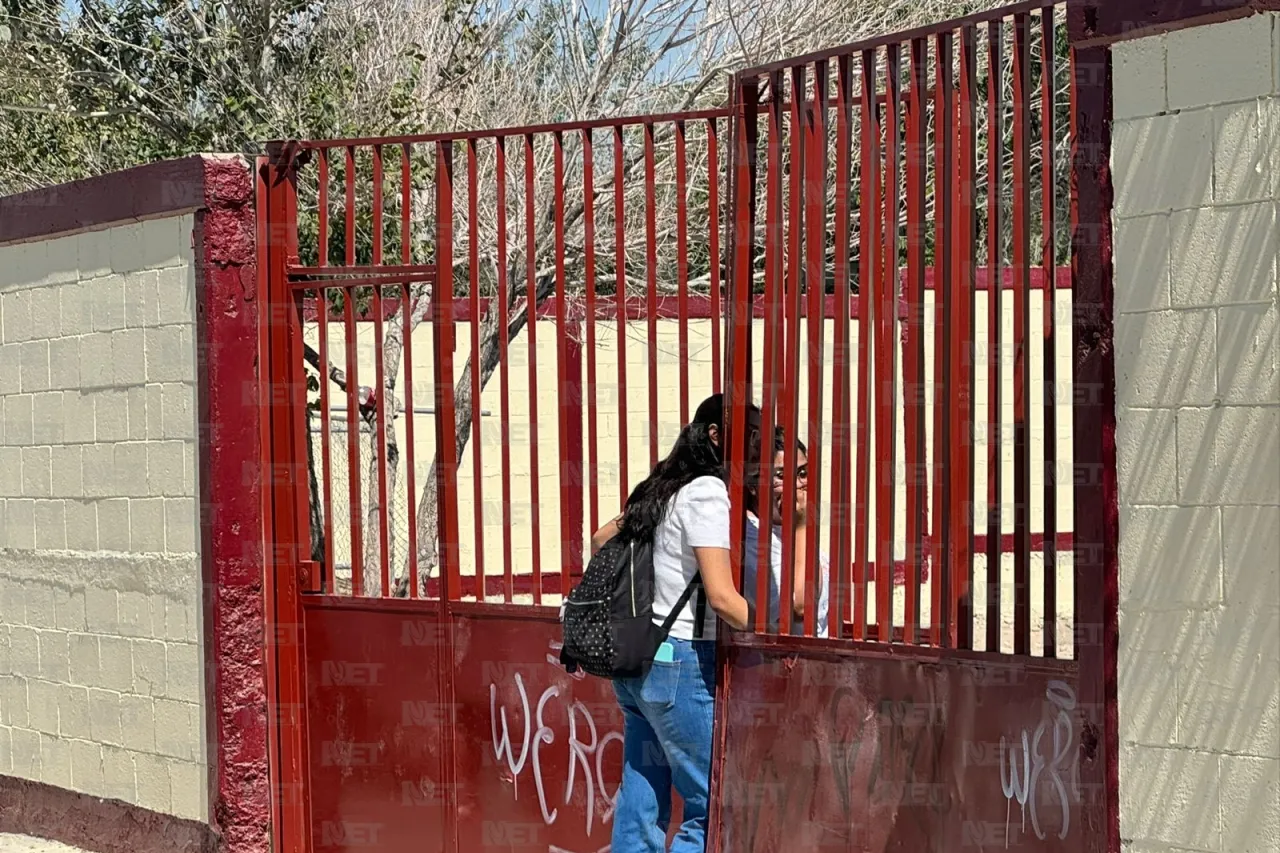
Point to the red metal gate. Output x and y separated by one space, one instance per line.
415 584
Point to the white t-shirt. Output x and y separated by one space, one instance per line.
750 559
697 518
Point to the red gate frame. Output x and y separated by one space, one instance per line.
1092 28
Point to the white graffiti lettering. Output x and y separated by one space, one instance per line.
1020 784
585 746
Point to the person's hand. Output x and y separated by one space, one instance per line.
802 504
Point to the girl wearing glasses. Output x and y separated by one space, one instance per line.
750 557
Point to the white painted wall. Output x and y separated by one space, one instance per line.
1196 153
101 673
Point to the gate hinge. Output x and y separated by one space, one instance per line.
309 575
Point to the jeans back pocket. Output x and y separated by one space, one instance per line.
661 685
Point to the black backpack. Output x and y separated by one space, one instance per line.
607 620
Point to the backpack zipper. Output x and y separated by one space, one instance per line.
633 579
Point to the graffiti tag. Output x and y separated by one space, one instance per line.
1023 771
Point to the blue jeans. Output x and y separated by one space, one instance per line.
669 718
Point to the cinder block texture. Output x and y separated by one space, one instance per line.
1198 437
101 671
1220 63
105 678
1138 74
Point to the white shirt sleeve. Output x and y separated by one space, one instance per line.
702 508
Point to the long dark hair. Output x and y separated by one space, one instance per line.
694 455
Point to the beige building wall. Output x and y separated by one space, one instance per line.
609 430
1196 157
101 675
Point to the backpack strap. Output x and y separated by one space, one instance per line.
700 611
667 623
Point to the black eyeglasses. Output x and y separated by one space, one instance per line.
802 473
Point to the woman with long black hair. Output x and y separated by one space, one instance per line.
683 508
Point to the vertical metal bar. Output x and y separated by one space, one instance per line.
443 338
682 268
790 403
868 308
353 385
406 317
1096 520
477 457
531 314
1021 323
651 282
841 433
1049 350
563 390
589 273
380 398
322 317
886 353
744 189
945 336
913 366
713 216
277 214
772 370
995 314
504 363
815 280
620 299
963 359
446 470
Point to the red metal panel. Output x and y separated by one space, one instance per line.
901 753
543 758
378 726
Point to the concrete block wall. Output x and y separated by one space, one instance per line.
101 665
1196 158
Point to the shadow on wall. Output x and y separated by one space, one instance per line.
1198 440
